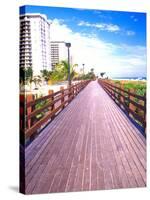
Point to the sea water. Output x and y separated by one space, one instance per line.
130 78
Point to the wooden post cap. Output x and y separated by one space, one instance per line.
50 91
61 88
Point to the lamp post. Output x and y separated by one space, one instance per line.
68 45
83 68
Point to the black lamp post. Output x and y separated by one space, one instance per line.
83 68
68 45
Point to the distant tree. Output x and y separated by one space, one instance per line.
102 74
26 74
37 80
92 70
90 75
46 74
73 72
60 72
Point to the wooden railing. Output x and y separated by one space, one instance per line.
134 105
37 113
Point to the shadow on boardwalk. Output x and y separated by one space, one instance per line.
90 145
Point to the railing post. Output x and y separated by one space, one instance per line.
69 93
51 100
75 90
115 92
109 88
112 91
62 96
30 122
122 98
72 91
82 83
131 106
78 88
118 96
122 93
29 97
142 113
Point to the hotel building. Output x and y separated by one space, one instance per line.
35 48
58 52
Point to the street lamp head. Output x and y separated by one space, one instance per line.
68 44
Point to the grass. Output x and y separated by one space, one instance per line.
138 86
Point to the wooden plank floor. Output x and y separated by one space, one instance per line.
90 145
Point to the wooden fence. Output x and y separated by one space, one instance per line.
134 105
37 113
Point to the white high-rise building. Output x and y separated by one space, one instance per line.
35 48
58 52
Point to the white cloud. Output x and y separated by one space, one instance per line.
107 27
101 26
112 28
133 18
115 60
130 33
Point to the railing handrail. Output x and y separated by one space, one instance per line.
143 98
30 112
131 94
110 89
37 111
31 103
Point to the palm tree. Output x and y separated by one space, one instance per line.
102 74
61 71
46 74
92 70
73 72
37 80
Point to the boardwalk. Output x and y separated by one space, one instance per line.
90 145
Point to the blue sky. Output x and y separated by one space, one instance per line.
121 34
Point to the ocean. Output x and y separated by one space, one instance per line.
130 78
